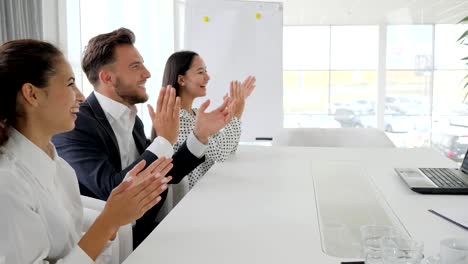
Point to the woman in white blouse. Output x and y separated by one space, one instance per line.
39 196
186 72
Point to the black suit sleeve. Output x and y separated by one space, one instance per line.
96 160
184 162
89 152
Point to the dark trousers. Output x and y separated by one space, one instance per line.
146 224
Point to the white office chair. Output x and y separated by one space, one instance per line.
122 246
333 137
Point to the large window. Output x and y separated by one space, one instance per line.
306 48
328 73
306 77
331 75
409 89
353 79
449 71
450 115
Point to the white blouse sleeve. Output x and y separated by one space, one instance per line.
225 142
24 238
76 255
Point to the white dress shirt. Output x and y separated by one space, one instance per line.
122 121
42 213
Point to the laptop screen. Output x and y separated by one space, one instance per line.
464 166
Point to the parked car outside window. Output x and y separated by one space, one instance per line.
452 142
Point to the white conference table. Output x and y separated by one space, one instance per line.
260 207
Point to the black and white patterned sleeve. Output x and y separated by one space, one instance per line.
185 128
225 142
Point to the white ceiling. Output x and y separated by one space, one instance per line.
357 12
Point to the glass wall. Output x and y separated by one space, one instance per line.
450 110
331 76
408 91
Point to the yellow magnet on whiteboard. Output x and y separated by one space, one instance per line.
258 15
206 19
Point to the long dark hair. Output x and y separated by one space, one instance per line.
22 61
177 64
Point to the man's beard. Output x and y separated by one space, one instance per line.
131 98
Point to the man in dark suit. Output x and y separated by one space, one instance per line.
108 138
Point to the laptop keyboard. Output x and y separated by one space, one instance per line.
443 177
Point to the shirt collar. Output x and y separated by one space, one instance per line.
187 114
113 108
34 159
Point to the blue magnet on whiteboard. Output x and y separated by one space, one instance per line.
206 19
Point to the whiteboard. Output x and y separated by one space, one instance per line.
237 39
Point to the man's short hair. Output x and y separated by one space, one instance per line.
100 51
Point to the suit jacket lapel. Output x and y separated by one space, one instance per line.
139 135
101 117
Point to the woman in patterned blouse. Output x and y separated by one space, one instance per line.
186 72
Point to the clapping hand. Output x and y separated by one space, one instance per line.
236 107
239 92
208 123
248 86
138 193
166 118
158 168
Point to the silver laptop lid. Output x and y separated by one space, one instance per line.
464 166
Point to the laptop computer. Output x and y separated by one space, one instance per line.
437 180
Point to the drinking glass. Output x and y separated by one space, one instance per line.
398 250
370 241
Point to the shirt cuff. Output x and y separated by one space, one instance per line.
77 255
195 147
161 147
